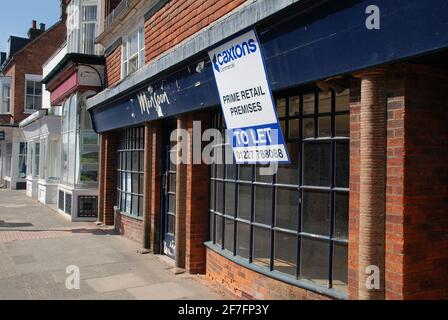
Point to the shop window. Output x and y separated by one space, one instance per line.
133 52
295 223
33 93
22 159
130 172
8 159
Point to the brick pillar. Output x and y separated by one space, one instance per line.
372 181
110 176
147 169
197 197
101 180
154 180
181 179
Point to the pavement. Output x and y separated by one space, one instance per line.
41 253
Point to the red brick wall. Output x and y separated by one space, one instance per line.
416 251
30 61
180 19
113 67
425 195
129 227
249 284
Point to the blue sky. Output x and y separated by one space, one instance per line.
16 16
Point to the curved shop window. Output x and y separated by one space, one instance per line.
292 225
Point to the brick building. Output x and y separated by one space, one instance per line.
360 98
21 95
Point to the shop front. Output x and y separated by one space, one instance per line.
70 81
42 132
305 231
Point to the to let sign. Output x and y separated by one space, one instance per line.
247 102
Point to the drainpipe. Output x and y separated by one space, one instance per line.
372 185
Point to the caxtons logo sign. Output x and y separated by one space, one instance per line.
234 53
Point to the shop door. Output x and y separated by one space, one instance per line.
169 204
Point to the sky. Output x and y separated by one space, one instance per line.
16 16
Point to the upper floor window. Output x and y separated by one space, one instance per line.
133 51
5 98
82 26
33 93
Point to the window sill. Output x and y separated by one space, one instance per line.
128 215
304 284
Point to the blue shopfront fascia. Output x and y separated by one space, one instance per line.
331 40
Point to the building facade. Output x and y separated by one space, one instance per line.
21 95
76 73
359 96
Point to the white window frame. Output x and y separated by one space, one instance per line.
75 25
125 58
37 79
5 81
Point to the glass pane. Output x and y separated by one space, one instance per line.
229 228
294 106
128 161
340 267
308 128
212 227
294 129
262 247
324 127
343 101
133 65
266 176
309 104
289 174
171 224
285 253
133 44
316 164
135 160
230 198
245 173
341 208
287 208
231 171
218 239
135 205
315 212
243 240
263 205
135 181
343 125
30 87
244 201
342 167
281 108
325 102
219 197
172 182
212 195
172 203
314 261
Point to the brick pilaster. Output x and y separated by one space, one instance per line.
197 201
110 176
148 172
372 181
154 179
181 197
101 180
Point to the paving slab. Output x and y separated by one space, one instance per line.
37 245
